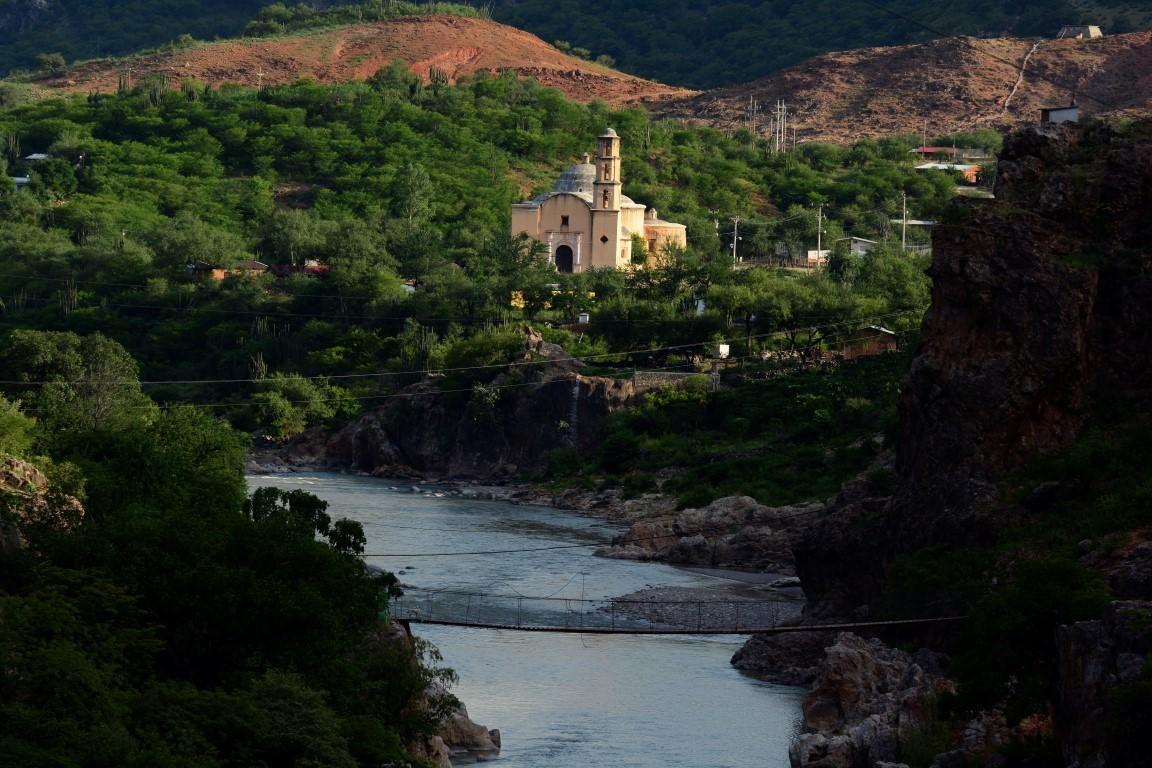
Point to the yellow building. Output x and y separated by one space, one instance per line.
586 221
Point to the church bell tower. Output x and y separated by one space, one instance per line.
607 186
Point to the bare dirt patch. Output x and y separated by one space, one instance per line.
948 85
454 45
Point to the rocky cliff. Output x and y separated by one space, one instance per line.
498 430
1041 317
1040 326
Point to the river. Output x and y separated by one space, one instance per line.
565 700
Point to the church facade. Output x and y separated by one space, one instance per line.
586 221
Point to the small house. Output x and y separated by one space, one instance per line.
859 246
934 151
242 269
971 173
1069 114
310 268
869 341
1079 32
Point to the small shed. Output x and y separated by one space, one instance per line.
35 157
21 181
1069 114
1079 32
869 341
858 245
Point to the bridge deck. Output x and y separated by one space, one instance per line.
594 630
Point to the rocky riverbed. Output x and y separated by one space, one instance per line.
707 609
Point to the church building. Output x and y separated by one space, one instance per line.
586 221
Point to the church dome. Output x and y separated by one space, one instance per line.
578 178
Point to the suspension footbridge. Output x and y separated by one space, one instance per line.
617 616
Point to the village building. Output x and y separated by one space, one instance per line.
858 246
870 341
1079 32
586 221
1069 114
970 172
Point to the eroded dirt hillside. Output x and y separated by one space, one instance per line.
454 45
954 84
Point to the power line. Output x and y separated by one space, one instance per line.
463 369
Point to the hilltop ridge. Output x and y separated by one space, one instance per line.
454 45
938 87
943 86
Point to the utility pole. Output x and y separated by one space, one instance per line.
904 222
735 237
819 233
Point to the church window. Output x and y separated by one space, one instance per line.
603 238
608 171
563 221
606 199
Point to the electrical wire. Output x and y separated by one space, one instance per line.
463 369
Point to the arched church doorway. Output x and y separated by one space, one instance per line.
564 259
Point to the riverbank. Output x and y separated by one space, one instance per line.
565 700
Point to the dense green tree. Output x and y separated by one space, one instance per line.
75 383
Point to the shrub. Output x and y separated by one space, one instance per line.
618 452
638 484
562 462
696 497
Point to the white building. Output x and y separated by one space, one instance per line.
1070 114
586 221
1079 32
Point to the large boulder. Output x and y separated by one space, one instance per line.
733 531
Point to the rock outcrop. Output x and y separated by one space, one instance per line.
501 430
1098 659
1041 310
28 499
1041 314
733 531
458 740
867 697
788 659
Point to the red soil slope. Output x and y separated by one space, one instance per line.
950 85
455 45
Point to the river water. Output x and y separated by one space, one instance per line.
565 700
